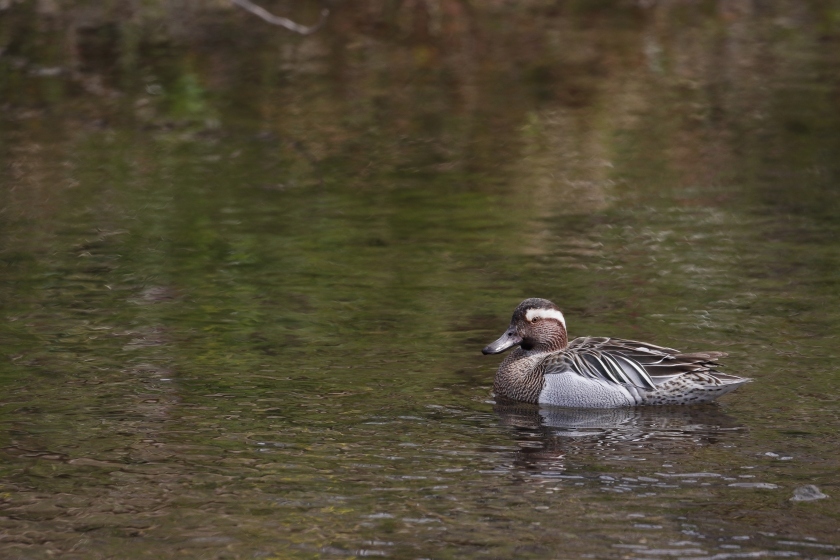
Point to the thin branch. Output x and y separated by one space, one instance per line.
281 21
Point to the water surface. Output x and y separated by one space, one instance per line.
247 277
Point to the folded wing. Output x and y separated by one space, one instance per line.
628 362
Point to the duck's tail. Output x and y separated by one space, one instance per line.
694 388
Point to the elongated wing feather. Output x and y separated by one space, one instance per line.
600 369
628 362
619 372
635 372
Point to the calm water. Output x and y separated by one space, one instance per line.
246 278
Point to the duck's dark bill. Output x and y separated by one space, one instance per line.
507 340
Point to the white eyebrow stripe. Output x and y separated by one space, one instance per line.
532 314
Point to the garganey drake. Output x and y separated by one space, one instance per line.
593 372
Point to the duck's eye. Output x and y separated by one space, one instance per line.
536 319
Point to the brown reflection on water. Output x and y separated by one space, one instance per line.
576 104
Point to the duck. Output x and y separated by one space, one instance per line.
597 372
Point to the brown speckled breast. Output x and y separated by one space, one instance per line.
520 378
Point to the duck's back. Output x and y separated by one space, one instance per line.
609 372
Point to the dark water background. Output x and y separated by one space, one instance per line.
246 277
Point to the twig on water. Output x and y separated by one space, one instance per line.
281 21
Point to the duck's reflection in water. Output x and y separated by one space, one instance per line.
550 438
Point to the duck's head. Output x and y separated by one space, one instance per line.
537 326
